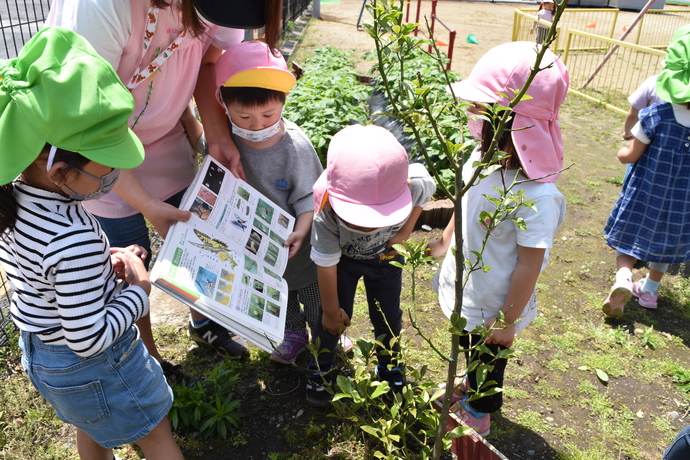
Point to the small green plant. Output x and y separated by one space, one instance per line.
209 408
681 379
395 426
649 339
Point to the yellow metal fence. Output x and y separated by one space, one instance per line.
656 28
600 21
628 66
523 22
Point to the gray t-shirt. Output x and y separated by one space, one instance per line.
286 173
331 238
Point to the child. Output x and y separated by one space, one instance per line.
546 11
367 200
516 256
63 128
644 96
648 221
279 161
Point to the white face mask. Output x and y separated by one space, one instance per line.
106 183
475 126
257 136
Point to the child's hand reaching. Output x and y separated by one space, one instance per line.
335 322
504 336
294 242
129 266
299 233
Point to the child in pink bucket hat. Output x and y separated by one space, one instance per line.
367 200
515 254
278 160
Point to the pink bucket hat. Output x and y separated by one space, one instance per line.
252 64
365 180
536 135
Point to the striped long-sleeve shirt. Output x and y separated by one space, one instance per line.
57 261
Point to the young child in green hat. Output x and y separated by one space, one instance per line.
650 221
63 140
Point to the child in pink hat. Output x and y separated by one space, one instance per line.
515 254
367 200
279 161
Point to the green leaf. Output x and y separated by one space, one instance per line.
603 376
460 431
370 430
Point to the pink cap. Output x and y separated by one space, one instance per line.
365 179
536 133
252 64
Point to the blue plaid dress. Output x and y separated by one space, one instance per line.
651 219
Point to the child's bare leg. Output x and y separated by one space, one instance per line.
90 450
146 334
624 265
160 444
621 292
655 275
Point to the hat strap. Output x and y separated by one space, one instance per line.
51 157
141 75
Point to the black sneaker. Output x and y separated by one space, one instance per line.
394 377
175 376
317 393
227 344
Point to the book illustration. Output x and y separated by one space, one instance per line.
213 179
207 196
201 209
271 254
216 247
205 281
227 261
271 274
239 222
256 307
265 211
277 238
273 293
224 286
263 228
283 220
254 242
250 265
273 309
243 193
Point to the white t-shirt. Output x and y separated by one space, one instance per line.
645 95
485 292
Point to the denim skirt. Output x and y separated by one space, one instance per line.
116 397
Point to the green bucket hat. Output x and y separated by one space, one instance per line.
673 83
60 91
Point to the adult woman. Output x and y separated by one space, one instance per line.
165 53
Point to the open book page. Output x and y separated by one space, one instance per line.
227 261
